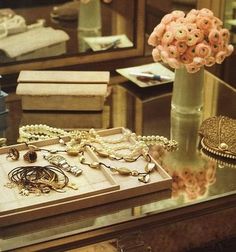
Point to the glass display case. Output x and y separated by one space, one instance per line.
203 185
197 213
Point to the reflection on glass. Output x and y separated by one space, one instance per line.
30 31
89 23
192 175
90 16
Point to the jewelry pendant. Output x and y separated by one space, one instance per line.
124 171
113 169
72 152
95 165
150 167
135 173
127 159
144 178
102 153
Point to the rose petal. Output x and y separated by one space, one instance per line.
181 47
178 14
159 30
191 52
230 49
198 61
206 13
164 56
153 40
203 50
167 19
181 33
220 56
156 54
185 59
204 23
225 34
192 68
174 63
214 36
173 52
210 61
167 38
191 40
198 34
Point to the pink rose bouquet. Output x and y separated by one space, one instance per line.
192 40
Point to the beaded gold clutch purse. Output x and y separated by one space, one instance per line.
219 136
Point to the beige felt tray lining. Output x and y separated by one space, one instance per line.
91 182
96 187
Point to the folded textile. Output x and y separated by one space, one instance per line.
31 40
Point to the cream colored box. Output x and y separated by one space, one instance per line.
63 90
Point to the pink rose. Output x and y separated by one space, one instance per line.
203 50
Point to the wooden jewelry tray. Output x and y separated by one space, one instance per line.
96 186
131 186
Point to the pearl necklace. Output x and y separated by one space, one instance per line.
36 132
140 146
113 147
128 146
107 147
169 145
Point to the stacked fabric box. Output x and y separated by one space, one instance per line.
63 90
72 98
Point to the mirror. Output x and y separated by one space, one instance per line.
155 10
42 35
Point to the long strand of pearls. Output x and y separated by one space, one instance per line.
111 146
39 132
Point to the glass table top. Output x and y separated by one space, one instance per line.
198 177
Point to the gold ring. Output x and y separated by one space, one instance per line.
13 153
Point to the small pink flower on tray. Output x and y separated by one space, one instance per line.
192 40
